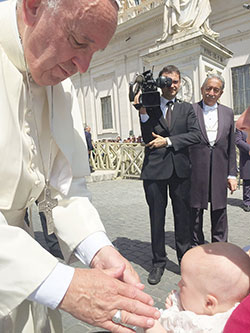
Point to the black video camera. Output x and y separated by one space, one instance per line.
145 82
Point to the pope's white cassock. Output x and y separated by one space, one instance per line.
41 135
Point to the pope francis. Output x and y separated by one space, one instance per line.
44 159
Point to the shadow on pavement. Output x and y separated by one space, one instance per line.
140 253
234 202
169 239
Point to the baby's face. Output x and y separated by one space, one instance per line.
191 297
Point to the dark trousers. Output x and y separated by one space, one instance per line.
219 225
51 240
156 192
246 192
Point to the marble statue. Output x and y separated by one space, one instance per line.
186 15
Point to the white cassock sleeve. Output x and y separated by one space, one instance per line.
52 290
24 265
75 218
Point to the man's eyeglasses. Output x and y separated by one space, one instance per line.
216 90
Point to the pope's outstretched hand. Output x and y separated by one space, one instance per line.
95 295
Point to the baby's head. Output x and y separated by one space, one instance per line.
213 278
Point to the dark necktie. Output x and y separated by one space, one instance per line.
168 113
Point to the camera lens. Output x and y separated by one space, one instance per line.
163 82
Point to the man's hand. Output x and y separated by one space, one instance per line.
109 257
158 142
232 184
137 101
94 297
143 110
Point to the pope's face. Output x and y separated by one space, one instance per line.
243 123
59 43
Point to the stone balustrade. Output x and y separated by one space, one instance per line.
132 8
125 158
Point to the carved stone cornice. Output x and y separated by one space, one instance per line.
197 42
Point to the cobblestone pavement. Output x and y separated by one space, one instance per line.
124 212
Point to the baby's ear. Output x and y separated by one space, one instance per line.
211 305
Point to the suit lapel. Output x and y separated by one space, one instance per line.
245 136
174 114
220 123
163 123
200 117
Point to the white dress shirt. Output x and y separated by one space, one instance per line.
211 121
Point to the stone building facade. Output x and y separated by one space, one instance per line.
219 42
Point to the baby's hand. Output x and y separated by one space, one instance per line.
169 302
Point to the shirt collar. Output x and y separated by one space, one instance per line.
164 101
208 108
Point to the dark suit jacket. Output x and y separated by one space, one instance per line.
223 161
160 163
89 140
244 148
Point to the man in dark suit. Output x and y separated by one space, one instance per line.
88 137
213 162
244 147
166 165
